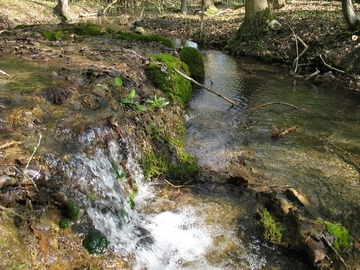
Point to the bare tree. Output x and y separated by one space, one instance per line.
351 17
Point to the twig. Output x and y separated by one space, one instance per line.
317 72
297 38
9 144
271 103
287 131
207 88
3 72
28 163
338 70
337 254
12 211
175 186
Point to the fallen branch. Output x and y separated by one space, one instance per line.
3 72
310 76
9 144
206 88
28 163
272 103
12 212
327 65
333 249
88 15
176 186
287 131
112 3
297 38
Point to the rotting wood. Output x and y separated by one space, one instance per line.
272 103
206 88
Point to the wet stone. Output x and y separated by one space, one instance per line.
56 96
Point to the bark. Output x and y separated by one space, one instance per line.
254 6
352 19
62 8
184 9
209 5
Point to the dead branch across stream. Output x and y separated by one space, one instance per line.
272 103
206 88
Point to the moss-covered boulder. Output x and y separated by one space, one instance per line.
193 58
95 242
160 71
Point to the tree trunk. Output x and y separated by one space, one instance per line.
254 6
62 8
209 6
184 9
352 19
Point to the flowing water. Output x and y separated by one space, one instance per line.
321 158
208 229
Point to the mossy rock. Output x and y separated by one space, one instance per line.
79 29
95 242
73 210
195 61
146 38
160 71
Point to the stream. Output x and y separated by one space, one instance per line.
209 226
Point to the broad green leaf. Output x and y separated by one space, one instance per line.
140 107
132 94
118 81
126 101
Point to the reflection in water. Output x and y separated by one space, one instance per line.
321 159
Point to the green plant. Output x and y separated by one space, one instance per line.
158 102
153 165
272 232
130 101
342 242
156 131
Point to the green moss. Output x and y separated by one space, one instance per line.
193 58
54 35
79 29
147 38
95 242
184 167
153 165
63 223
342 241
73 210
160 71
272 232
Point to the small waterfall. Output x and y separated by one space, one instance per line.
160 232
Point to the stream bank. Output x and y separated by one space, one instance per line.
86 70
